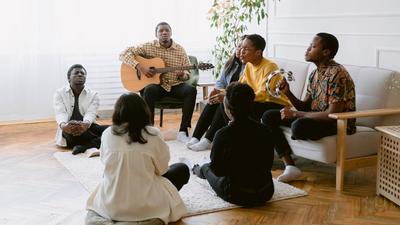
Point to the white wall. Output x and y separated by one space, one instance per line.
40 39
368 30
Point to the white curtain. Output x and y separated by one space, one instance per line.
40 39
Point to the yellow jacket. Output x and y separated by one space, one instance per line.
256 76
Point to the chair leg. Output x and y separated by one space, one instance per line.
161 116
340 153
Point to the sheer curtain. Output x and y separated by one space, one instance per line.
42 38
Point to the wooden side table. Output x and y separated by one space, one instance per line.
388 168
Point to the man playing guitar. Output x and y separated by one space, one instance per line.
171 83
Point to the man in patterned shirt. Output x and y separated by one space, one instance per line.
171 83
330 90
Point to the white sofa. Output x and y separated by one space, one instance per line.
377 103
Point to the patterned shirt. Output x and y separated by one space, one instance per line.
172 56
331 84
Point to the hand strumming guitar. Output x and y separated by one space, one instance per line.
147 71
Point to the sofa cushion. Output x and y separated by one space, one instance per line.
363 143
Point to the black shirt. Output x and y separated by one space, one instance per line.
243 152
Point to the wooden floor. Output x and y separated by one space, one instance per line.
36 189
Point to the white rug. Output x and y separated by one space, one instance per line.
198 196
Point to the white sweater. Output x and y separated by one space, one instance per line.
132 188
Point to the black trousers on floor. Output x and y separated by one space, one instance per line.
178 174
237 194
89 139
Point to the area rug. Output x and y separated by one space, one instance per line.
197 195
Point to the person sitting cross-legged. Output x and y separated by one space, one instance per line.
137 184
242 153
75 106
330 90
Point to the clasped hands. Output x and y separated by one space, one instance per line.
75 128
216 96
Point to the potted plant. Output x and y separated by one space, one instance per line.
231 17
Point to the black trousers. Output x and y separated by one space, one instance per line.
154 92
236 194
89 139
178 174
302 129
211 119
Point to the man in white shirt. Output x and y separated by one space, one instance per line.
75 108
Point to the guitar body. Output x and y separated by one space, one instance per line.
133 80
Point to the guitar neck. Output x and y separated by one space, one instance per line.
175 68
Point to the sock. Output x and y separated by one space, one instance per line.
202 145
182 137
197 171
291 173
192 141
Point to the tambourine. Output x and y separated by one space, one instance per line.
275 91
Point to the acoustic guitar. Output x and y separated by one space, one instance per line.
134 81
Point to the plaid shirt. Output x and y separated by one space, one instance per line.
172 56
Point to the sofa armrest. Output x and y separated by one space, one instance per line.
205 88
342 163
365 113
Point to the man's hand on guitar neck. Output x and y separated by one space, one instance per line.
148 72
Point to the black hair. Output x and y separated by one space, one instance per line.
330 42
160 24
257 41
75 66
131 115
239 100
229 65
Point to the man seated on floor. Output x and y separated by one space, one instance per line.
330 90
75 108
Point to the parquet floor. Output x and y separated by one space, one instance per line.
36 189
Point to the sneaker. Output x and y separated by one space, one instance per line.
182 137
291 173
77 149
192 141
202 145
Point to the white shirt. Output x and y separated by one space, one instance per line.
133 188
64 105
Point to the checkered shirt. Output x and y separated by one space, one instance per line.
172 56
